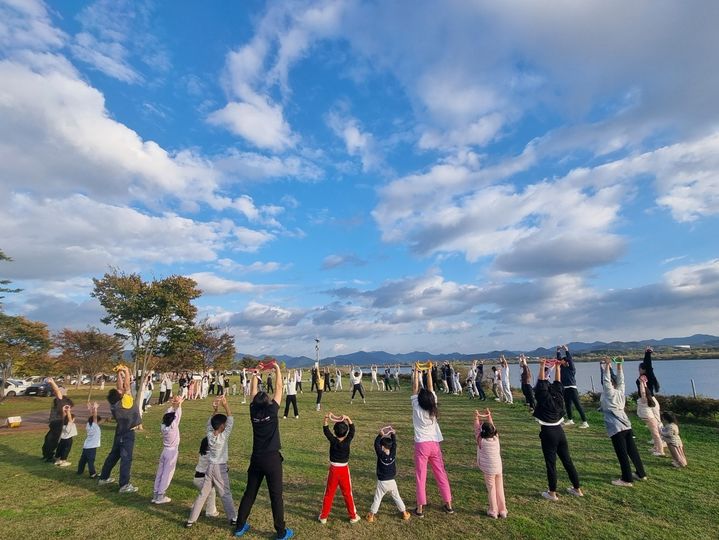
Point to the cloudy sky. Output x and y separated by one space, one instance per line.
381 175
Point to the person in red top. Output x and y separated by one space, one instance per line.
339 473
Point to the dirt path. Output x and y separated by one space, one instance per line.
37 421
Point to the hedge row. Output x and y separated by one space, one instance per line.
679 405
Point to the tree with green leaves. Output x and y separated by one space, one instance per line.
179 351
148 311
88 351
4 282
217 348
22 342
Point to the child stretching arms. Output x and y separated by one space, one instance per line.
385 446
670 434
170 430
339 473
69 431
219 427
92 443
203 461
489 461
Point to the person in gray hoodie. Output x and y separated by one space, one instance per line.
619 427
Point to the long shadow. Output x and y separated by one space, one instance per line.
45 471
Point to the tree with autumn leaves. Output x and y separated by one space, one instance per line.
149 312
88 351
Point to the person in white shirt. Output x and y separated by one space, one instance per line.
91 444
203 462
298 378
356 380
373 371
291 393
163 388
219 428
69 431
427 437
506 388
338 379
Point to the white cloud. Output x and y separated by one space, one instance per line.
238 167
260 267
108 57
56 238
213 284
357 141
25 24
259 121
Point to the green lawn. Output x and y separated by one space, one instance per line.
41 500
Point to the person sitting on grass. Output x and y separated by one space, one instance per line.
340 439
127 417
219 428
670 434
266 459
619 427
170 430
69 431
549 413
385 446
92 442
489 461
427 437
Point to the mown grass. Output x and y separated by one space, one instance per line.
41 500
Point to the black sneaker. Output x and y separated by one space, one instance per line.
418 513
448 509
188 524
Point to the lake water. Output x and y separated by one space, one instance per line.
674 376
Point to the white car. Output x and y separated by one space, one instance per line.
15 387
85 380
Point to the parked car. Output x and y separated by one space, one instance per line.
15 387
85 380
40 389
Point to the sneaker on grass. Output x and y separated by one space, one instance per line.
128 488
241 531
621 483
583 425
102 482
550 496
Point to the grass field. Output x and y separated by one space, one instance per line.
40 500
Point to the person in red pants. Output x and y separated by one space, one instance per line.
339 473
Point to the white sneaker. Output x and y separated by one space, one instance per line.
163 499
575 492
621 483
569 422
550 496
583 425
322 520
355 519
64 464
102 482
216 514
128 488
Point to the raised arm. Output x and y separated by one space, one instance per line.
55 389
278 386
253 385
416 374
430 382
542 375
557 372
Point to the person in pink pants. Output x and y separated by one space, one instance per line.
427 437
489 461
170 429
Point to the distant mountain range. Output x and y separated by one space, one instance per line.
364 358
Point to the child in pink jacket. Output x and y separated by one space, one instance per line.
489 462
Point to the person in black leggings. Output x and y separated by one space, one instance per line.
356 380
527 383
266 459
549 412
619 427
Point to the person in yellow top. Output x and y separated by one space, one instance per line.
320 385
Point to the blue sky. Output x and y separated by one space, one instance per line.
382 175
